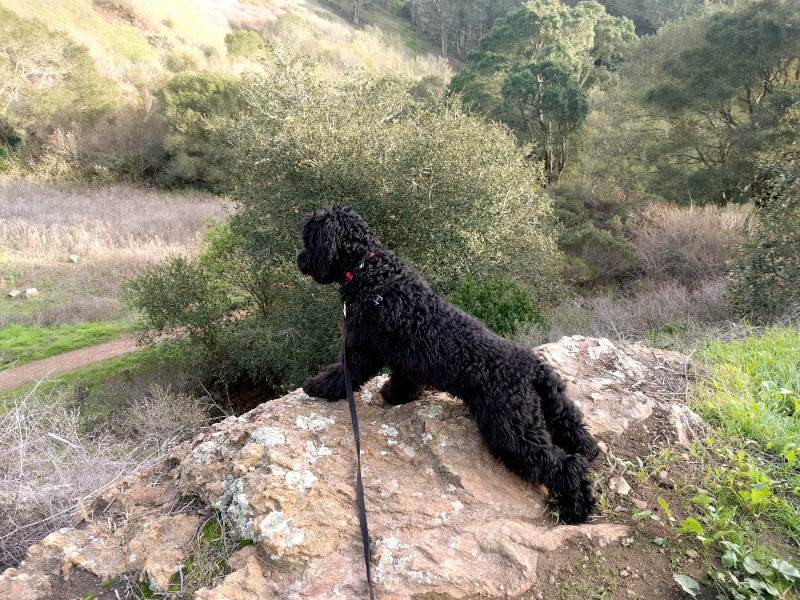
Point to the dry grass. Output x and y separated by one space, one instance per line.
48 467
161 419
113 231
687 244
656 307
339 47
682 285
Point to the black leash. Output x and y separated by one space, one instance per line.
362 509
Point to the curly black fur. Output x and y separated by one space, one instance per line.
395 319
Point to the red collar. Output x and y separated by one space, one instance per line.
348 277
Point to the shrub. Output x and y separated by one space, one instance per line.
184 59
503 305
179 296
450 193
51 464
48 81
688 245
161 419
652 308
192 105
593 215
243 43
765 275
48 467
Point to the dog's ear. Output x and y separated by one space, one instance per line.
322 233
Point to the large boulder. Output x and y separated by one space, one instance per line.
446 519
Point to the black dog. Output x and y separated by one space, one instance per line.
394 318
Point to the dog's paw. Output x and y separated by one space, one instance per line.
575 504
319 387
587 445
395 397
398 390
573 513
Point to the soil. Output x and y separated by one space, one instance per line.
39 369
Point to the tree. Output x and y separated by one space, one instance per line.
534 68
47 81
765 274
714 92
244 43
542 103
460 22
650 15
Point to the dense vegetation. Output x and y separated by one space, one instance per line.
375 143
607 124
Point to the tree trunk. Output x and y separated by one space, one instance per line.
443 35
356 11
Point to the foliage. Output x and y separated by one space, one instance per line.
751 478
534 68
243 43
446 191
593 215
503 305
705 107
180 297
47 81
765 275
455 24
651 15
193 105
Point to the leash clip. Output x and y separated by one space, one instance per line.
377 300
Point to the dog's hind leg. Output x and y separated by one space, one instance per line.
564 475
564 419
524 447
329 384
400 389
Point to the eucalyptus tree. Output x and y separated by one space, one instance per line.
456 24
713 93
534 69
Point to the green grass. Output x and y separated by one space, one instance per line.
108 385
754 392
20 344
747 515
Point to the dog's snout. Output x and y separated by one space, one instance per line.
302 262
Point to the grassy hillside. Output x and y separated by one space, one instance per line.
129 40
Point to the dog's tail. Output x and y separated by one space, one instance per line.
564 419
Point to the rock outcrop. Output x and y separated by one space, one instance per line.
446 519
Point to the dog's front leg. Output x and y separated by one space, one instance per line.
330 383
400 389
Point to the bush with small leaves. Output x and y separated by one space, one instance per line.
448 192
765 274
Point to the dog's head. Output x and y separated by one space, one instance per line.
335 240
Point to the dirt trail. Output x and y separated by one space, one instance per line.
39 369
